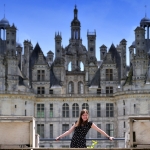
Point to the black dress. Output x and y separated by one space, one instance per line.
78 139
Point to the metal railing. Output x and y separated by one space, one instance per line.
65 139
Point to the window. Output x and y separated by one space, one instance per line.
65 110
75 110
134 108
99 91
124 124
40 130
71 87
109 74
51 130
109 110
40 110
70 66
51 111
81 66
65 127
25 112
98 110
50 91
124 111
12 42
91 49
109 90
123 102
40 90
40 75
80 87
85 106
98 134
110 129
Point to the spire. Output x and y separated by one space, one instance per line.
4 10
75 12
145 11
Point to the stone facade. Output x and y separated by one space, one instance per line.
54 90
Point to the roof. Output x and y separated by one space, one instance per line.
145 21
4 22
53 79
50 52
96 79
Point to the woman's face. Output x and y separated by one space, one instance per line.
85 117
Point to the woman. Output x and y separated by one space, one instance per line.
81 128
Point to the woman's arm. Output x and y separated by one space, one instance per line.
101 131
66 133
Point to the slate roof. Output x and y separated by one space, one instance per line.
96 79
53 79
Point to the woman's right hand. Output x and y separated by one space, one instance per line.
57 138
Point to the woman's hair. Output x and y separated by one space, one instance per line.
80 121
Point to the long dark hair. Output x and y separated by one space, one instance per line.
80 120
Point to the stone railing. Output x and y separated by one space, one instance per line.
46 148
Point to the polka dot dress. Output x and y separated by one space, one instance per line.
78 139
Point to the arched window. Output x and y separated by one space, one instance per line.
75 110
65 110
85 106
70 66
76 34
81 66
71 87
80 88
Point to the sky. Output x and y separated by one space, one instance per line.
38 20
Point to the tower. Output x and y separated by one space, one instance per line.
123 58
58 48
50 56
91 36
12 61
3 25
27 51
103 52
75 26
140 60
19 55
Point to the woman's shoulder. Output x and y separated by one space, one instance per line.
90 123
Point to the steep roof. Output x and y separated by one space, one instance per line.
96 79
53 79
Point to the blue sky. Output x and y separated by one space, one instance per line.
38 20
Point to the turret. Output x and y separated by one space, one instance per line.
50 56
123 44
58 48
27 51
131 53
91 36
103 52
19 55
11 40
139 39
